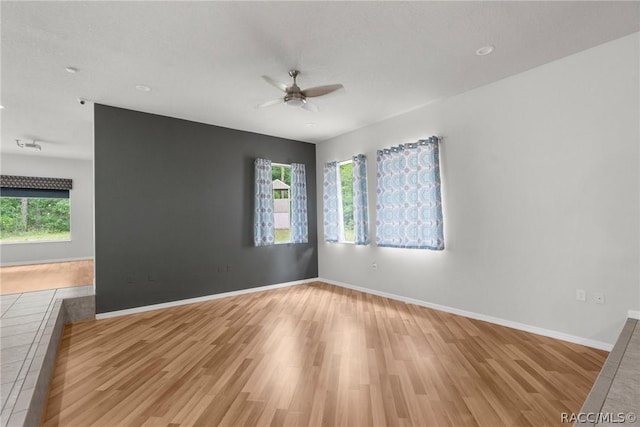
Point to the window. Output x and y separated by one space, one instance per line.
345 201
280 203
25 216
281 182
34 209
408 206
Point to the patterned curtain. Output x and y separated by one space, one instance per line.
264 232
299 225
35 183
409 207
330 202
360 201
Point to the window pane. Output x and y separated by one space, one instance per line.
346 186
26 219
281 176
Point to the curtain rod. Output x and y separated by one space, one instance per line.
410 145
440 138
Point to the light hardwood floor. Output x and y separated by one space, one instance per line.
37 277
313 355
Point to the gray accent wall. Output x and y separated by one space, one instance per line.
174 210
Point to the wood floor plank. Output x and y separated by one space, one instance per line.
313 355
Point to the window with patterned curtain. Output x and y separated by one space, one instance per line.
299 221
345 205
408 206
34 209
263 217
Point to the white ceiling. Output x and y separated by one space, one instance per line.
204 60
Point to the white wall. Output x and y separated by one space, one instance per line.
81 199
541 182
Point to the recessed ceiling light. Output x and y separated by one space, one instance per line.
72 70
484 50
311 124
143 88
1 107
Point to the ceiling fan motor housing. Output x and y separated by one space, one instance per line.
293 97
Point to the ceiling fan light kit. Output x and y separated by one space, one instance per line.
294 102
294 97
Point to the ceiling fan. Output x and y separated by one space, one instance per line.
295 97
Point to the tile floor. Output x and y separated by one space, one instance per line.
24 321
617 388
624 395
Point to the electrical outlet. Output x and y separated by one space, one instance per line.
228 268
581 295
598 297
374 266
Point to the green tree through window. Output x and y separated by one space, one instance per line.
346 187
29 218
282 202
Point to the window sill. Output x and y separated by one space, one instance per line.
20 242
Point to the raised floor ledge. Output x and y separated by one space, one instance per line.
32 324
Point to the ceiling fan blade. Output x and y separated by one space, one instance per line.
270 103
281 86
309 107
320 90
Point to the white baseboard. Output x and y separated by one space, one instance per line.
43 261
470 314
200 299
634 314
